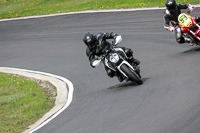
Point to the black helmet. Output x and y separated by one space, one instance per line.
89 39
170 4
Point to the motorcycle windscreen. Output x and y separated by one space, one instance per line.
184 20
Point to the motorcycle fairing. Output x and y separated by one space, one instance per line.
121 52
185 20
112 58
108 64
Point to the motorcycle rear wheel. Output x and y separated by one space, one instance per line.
131 74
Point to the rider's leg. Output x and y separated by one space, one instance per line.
192 40
129 54
179 36
110 72
135 61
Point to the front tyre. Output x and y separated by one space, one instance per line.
131 74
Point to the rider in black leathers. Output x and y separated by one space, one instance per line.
97 46
173 10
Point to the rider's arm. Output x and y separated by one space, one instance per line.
103 36
90 56
197 19
111 35
167 23
183 6
186 6
92 59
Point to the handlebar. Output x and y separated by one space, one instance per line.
189 12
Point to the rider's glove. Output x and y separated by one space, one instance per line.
191 7
95 62
91 63
171 28
117 39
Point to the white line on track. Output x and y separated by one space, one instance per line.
70 85
89 11
67 99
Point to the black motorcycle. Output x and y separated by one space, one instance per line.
116 59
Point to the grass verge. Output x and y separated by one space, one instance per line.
23 101
19 8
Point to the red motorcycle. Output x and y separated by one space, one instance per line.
189 27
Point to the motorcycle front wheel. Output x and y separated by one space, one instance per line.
131 74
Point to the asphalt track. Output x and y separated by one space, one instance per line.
167 102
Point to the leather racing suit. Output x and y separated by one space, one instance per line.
171 21
101 46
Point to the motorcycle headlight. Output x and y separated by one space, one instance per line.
114 58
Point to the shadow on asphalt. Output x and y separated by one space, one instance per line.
127 84
195 49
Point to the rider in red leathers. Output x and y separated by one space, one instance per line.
173 10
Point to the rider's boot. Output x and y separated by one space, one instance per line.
120 78
191 44
138 71
129 54
136 61
189 41
110 73
133 60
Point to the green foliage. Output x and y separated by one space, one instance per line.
19 8
22 102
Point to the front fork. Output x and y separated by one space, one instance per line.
119 68
195 34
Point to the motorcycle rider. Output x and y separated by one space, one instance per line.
173 10
97 45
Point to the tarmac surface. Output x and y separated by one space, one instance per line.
167 102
